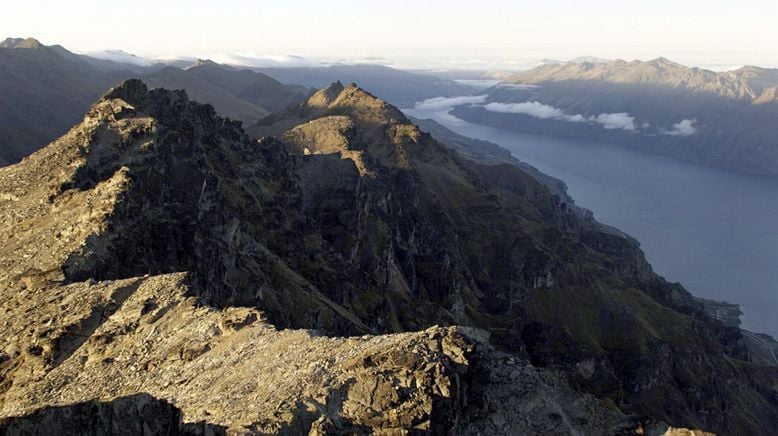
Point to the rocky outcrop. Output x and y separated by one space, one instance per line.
157 249
230 369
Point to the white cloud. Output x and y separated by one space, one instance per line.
119 56
263 60
522 86
615 121
368 60
532 108
441 103
683 128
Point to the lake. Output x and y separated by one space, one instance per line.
713 231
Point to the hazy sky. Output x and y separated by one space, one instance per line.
427 33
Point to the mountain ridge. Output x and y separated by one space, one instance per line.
749 82
49 88
109 319
377 228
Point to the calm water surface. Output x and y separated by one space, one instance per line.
713 231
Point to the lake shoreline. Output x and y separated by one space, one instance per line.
709 229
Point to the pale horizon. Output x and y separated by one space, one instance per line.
434 35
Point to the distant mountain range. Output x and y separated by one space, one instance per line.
400 88
46 89
238 94
578 60
754 84
720 119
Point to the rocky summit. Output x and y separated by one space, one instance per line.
163 272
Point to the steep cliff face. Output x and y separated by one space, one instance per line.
446 240
156 248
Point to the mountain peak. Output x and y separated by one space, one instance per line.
326 96
204 62
167 106
351 98
357 100
208 64
29 43
664 62
133 91
10 42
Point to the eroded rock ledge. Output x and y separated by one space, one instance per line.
229 369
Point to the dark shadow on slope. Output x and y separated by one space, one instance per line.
139 414
76 335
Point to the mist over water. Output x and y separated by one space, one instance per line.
713 231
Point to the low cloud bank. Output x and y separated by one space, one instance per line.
264 60
532 108
119 56
683 128
439 103
617 121
614 121
609 121
517 86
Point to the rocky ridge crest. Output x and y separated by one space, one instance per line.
94 321
156 248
